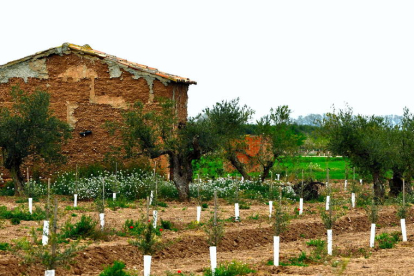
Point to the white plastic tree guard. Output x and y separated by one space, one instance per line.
300 206
114 196
329 234
345 184
403 230
50 272
198 214
75 200
328 199
276 249
155 217
151 197
147 265
270 208
31 205
353 200
236 212
372 237
102 220
213 258
45 235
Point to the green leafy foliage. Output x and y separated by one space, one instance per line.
229 269
19 213
281 220
116 269
214 231
364 140
147 241
84 228
43 133
386 240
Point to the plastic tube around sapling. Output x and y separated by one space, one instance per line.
31 205
147 265
270 208
345 184
328 198
372 237
236 212
75 200
102 219
276 249
151 197
329 234
213 258
113 196
403 230
198 214
155 217
300 206
353 200
45 235
50 272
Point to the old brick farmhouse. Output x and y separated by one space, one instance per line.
89 87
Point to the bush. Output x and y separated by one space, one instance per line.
386 240
85 228
19 214
230 269
168 225
4 246
117 269
132 227
147 242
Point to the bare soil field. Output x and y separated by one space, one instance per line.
249 241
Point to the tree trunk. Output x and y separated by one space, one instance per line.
379 190
266 169
182 175
17 180
240 167
396 183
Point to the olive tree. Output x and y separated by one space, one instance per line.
279 138
365 140
28 128
229 121
154 133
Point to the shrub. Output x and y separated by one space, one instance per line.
85 228
168 225
132 227
4 246
117 269
20 214
386 240
147 241
316 243
230 269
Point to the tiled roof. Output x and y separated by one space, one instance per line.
88 50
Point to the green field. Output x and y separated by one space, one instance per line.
317 167
311 166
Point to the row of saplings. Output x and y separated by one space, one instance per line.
51 256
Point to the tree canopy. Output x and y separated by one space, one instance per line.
29 128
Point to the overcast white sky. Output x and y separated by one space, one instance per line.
305 54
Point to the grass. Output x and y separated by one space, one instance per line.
318 164
230 269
